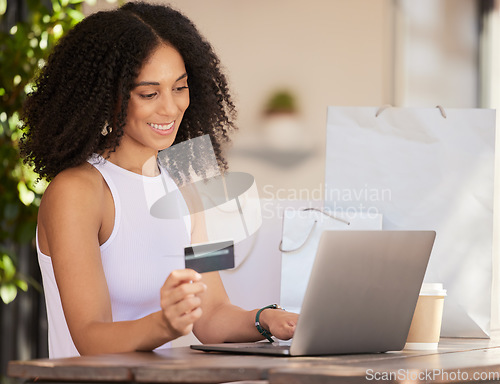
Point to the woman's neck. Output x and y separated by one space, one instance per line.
143 163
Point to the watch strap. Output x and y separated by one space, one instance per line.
262 331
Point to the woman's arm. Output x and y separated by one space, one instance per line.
221 321
73 220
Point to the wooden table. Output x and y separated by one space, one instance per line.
456 360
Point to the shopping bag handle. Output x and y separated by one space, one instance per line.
312 228
385 106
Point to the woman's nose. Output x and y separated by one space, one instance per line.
168 106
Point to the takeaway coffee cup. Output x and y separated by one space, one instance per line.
425 327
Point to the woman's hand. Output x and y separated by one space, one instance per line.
280 323
180 301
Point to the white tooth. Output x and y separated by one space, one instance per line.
162 127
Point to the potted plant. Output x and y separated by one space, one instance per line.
282 127
281 102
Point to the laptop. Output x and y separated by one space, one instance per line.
360 298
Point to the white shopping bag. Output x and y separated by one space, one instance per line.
425 169
302 229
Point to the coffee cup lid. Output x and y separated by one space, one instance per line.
432 289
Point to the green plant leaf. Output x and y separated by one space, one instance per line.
8 293
75 15
25 194
8 267
21 284
3 7
281 101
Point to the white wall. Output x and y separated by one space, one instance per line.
438 53
327 52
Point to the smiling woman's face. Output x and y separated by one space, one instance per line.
158 101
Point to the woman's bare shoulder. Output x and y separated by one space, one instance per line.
73 185
84 178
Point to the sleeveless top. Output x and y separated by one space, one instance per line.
137 258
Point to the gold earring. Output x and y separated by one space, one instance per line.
106 129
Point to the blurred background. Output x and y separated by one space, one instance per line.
350 53
286 60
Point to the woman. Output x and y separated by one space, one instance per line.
120 87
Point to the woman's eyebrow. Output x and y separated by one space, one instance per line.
146 83
182 77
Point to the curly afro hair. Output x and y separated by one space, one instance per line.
88 79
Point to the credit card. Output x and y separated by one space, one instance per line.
209 257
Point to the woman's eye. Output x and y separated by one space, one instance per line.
178 89
148 96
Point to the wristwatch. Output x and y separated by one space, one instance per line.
261 330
